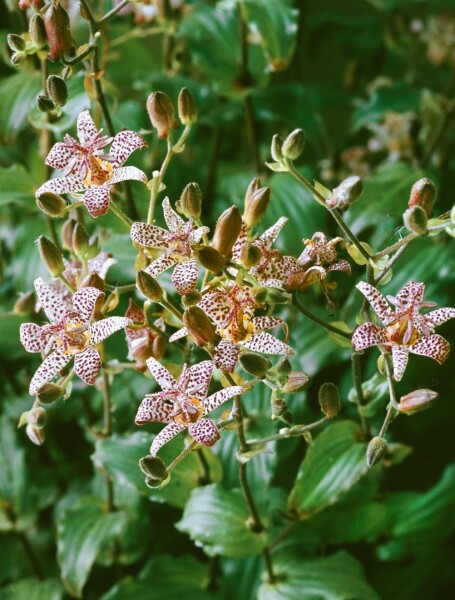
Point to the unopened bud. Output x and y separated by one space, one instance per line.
416 220
57 26
15 42
346 193
191 299
211 259
37 30
423 194
276 296
329 399
253 186
259 294
280 409
153 467
149 286
50 392
255 206
51 256
25 304
227 231
255 364
57 90
111 302
51 204
161 113
191 201
199 325
293 145
250 255
297 381
276 149
44 103
35 434
67 234
376 450
80 242
93 280
17 58
186 107
416 401
37 416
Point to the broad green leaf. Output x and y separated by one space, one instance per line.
216 519
83 533
16 185
337 577
9 334
333 464
242 578
375 391
17 99
31 589
396 98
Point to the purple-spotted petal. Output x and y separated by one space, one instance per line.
376 299
434 346
96 200
181 333
50 299
174 222
60 156
368 334
126 174
87 365
270 235
197 234
100 264
400 360
411 294
86 128
340 265
440 316
154 409
218 307
165 436
184 276
124 144
84 301
161 264
267 344
199 381
30 336
62 185
48 369
263 323
226 356
204 431
164 379
219 398
103 329
149 236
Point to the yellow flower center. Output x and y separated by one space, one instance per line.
240 329
189 411
402 332
100 172
73 339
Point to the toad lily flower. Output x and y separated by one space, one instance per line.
405 329
177 243
69 334
88 169
183 404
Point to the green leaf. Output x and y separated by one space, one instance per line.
337 577
396 98
16 185
216 519
17 99
375 391
83 532
32 589
333 464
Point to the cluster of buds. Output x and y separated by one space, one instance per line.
162 114
27 44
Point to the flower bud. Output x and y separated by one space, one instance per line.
67 234
80 241
423 194
51 204
250 255
44 104
227 231
25 304
16 42
149 286
376 450
37 416
36 4
280 409
259 294
161 113
253 186
297 381
255 206
50 393
35 434
416 401
276 149
329 399
199 325
57 90
293 145
57 26
416 220
93 280
17 58
186 107
153 467
37 30
191 299
346 193
51 256
255 364
191 201
211 259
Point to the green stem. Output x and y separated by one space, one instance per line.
360 399
66 283
111 13
120 214
392 410
294 431
391 262
32 557
107 431
317 320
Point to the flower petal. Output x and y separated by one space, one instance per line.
183 332
165 436
124 143
103 329
48 369
87 365
126 174
184 277
270 235
100 264
96 200
263 323
267 344
376 299
30 336
400 357
174 222
199 380
411 294
149 236
226 356
218 307
86 128
153 409
220 397
368 334
239 242
165 380
60 156
160 265
440 316
340 265
84 301
62 185
50 299
204 431
197 234
434 346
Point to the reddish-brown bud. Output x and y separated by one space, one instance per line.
255 206
161 113
93 280
199 325
329 400
297 381
191 201
416 401
423 194
186 107
346 193
67 234
36 4
227 231
57 25
80 241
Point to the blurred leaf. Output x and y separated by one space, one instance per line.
242 578
17 99
9 334
398 98
375 391
31 589
216 519
333 464
16 185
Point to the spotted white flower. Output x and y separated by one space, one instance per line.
405 329
88 169
143 342
69 333
177 243
183 404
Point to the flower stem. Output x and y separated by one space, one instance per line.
107 431
120 214
294 431
317 320
111 13
360 399
392 410
32 557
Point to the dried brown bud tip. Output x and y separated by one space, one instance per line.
15 42
297 381
186 107
416 220
255 364
276 149
57 90
44 104
57 25
256 205
80 242
211 259
329 399
37 31
51 204
227 231
416 401
199 325
191 201
293 145
161 113
149 286
250 255
25 304
376 450
423 194
191 299
153 467
51 256
50 393
346 193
